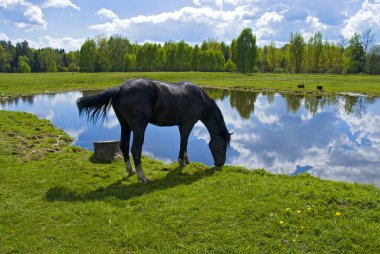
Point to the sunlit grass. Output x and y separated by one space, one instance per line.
61 202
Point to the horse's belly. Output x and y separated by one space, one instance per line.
163 122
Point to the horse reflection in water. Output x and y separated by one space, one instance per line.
141 101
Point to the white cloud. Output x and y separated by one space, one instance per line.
11 3
204 22
60 4
269 17
67 43
23 14
367 16
3 37
315 24
75 133
107 13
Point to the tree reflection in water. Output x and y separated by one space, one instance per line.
244 101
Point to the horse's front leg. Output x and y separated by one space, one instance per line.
184 131
138 141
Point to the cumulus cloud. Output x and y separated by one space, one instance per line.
67 43
367 16
60 4
29 15
203 22
107 13
223 20
3 37
269 17
23 14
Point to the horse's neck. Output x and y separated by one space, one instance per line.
210 120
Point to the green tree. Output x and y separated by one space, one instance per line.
195 58
373 60
272 56
230 66
88 55
246 51
3 59
296 51
118 47
53 67
23 65
103 60
354 55
129 62
73 67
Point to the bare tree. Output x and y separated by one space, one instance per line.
367 39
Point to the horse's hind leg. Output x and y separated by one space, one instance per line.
124 141
124 146
138 141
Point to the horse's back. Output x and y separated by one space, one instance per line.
163 103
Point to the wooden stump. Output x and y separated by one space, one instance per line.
320 88
106 151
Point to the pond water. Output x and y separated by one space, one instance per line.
334 137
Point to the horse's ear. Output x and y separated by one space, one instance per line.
231 133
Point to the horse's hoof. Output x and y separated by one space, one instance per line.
131 173
145 180
182 163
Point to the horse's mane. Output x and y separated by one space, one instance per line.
211 109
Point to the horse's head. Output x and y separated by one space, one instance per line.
218 146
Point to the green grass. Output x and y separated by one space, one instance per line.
26 84
54 199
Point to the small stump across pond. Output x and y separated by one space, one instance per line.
106 151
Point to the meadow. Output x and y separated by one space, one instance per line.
17 84
55 199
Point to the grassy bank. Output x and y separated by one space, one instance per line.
53 199
25 84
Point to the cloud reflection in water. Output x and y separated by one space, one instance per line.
333 137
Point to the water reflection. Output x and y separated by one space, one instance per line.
333 137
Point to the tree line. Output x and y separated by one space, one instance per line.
359 54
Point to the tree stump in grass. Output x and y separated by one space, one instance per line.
106 151
320 88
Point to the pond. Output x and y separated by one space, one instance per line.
331 137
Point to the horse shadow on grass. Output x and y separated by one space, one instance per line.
119 190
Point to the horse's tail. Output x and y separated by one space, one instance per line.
96 106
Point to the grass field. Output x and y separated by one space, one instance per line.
54 199
25 84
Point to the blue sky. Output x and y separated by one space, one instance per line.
67 23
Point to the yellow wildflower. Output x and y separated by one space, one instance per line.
294 240
298 211
281 222
309 209
338 214
288 209
302 227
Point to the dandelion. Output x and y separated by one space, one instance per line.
287 209
338 214
309 209
298 211
302 227
281 222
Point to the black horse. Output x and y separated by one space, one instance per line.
141 101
